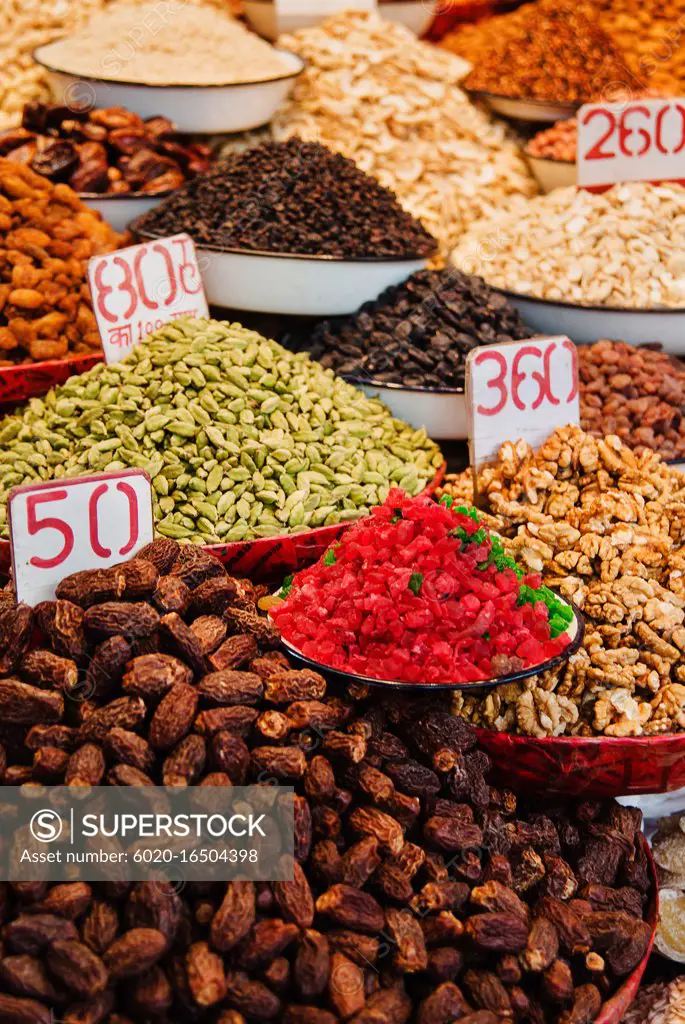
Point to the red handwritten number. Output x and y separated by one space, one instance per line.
95 544
103 290
497 382
574 369
132 516
624 132
140 281
681 144
187 268
596 152
517 377
168 262
35 525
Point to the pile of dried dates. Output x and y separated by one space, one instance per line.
419 892
108 150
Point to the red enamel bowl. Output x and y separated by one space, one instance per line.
614 1009
588 766
31 380
269 559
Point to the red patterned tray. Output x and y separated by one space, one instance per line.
589 766
30 380
268 559
614 1009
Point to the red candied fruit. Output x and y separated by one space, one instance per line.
412 593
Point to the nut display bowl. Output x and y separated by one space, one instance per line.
551 174
119 209
575 634
592 323
522 109
269 559
441 412
589 766
30 380
261 16
291 284
233 107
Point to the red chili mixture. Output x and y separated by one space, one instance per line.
420 592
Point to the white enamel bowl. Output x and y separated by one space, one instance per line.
551 174
120 210
261 15
293 285
442 413
193 108
592 323
525 109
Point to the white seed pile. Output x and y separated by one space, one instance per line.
393 104
149 43
624 247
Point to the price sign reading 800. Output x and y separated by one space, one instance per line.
62 526
520 389
137 290
641 140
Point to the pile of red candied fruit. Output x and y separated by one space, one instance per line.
420 592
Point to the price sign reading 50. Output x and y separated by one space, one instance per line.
641 140
137 290
62 526
520 389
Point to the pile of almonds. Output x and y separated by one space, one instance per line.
47 236
418 891
636 393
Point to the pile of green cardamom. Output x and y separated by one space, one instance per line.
240 438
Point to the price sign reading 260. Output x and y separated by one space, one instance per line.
520 390
640 140
62 526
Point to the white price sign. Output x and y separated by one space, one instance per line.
62 526
139 289
642 140
294 14
520 389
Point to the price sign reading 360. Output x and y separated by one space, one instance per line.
62 526
520 389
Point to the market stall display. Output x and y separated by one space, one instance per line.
420 595
393 104
47 238
113 159
494 908
241 439
409 345
551 155
660 1003
292 227
591 265
540 62
227 80
638 394
649 35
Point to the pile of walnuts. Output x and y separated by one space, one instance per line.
606 526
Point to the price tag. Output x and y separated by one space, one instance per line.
520 389
294 14
137 290
88 522
643 140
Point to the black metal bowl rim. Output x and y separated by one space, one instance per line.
628 310
565 104
128 195
512 677
172 85
219 251
547 159
394 386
